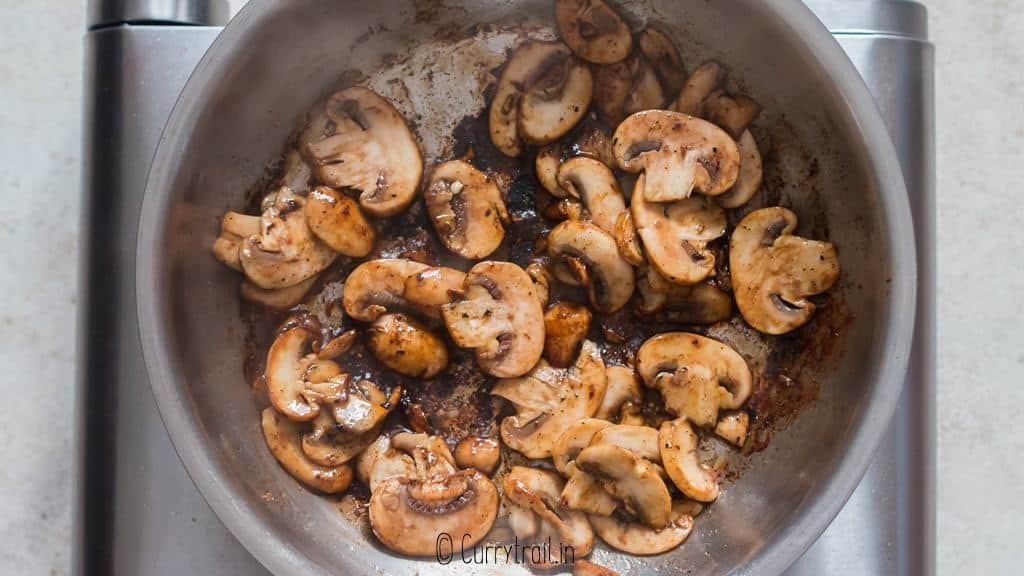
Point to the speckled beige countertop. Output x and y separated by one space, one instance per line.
980 90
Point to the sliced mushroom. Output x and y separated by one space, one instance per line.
751 173
575 438
466 209
675 234
549 399
678 154
371 149
636 538
280 299
377 286
704 81
433 445
692 392
331 445
679 456
546 164
677 363
381 461
696 304
664 57
288 363
541 281
362 406
627 87
542 93
430 289
539 491
732 427
501 317
234 228
409 515
285 252
406 346
337 220
478 452
733 113
774 272
593 30
622 386
595 184
611 279
337 345
584 493
564 209
565 327
630 478
640 440
591 143
284 440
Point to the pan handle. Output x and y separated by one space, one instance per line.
104 13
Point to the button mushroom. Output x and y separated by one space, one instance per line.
704 81
356 406
542 93
679 456
500 316
565 327
678 154
285 252
409 514
406 346
283 438
371 149
593 30
381 461
631 479
431 288
751 174
682 366
664 57
696 304
595 184
337 220
478 452
642 540
675 234
549 399
539 492
466 209
575 438
329 444
622 386
610 278
774 272
289 366
377 286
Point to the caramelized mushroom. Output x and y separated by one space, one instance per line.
284 438
593 30
466 209
565 327
609 276
406 346
377 286
337 220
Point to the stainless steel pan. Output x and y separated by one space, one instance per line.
837 169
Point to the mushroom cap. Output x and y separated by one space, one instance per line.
408 522
285 252
406 346
575 438
774 272
543 90
664 57
549 399
431 288
751 173
678 153
621 386
337 220
478 452
678 444
636 538
287 362
565 327
539 491
675 234
371 150
466 209
377 286
283 438
611 279
593 30
501 317
687 356
704 81
631 479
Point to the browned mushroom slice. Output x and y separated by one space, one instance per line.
478 452
406 346
631 479
549 399
751 172
380 461
289 363
627 87
543 90
466 209
235 228
694 304
500 317
280 299
704 81
595 184
565 327
675 234
593 30
774 272
337 220
677 153
642 540
377 286
539 492
430 289
371 149
664 57
679 456
732 427
328 444
733 113
622 387
285 252
284 440
361 406
576 437
610 277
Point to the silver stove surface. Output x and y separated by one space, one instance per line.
137 511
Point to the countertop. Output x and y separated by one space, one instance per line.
980 101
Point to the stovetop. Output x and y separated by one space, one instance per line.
138 513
